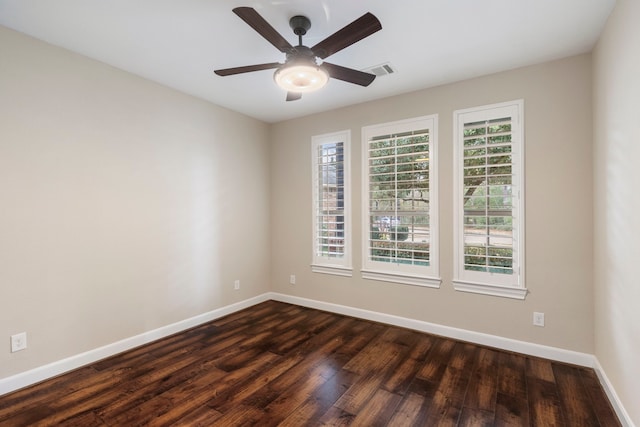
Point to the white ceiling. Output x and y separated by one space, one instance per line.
179 43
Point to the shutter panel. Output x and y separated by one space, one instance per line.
489 200
398 176
488 196
329 213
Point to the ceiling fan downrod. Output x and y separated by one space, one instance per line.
300 25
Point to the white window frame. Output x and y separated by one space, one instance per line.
488 283
340 266
427 276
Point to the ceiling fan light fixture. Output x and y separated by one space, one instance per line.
301 78
304 69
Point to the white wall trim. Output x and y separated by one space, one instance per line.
335 270
531 349
621 412
538 350
489 289
50 370
404 278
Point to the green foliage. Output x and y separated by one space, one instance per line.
416 253
489 259
399 233
375 233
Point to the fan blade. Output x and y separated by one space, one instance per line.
257 22
293 96
362 27
247 69
349 74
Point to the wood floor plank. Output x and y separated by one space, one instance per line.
573 398
512 380
172 373
472 417
540 369
373 357
353 340
316 365
449 397
288 340
544 403
40 394
336 417
404 374
240 416
412 411
371 375
296 394
83 419
359 393
204 416
378 410
103 388
252 387
482 391
183 400
511 411
281 364
597 398
437 360
312 410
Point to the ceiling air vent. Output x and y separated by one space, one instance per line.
380 70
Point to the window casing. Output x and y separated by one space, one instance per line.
400 222
489 200
331 203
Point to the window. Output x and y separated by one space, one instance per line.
400 235
489 200
331 200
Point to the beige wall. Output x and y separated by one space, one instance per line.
557 98
617 202
118 214
124 206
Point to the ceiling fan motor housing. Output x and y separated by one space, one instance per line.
300 25
300 54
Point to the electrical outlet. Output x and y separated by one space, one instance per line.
236 285
18 342
292 279
538 318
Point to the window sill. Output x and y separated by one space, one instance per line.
493 290
335 270
406 279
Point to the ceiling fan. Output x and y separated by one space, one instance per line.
300 71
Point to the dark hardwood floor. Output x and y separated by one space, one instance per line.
280 364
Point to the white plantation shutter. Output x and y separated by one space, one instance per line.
488 199
399 197
330 204
331 201
489 226
400 235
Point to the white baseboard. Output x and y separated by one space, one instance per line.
561 355
531 349
622 413
50 370
41 373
